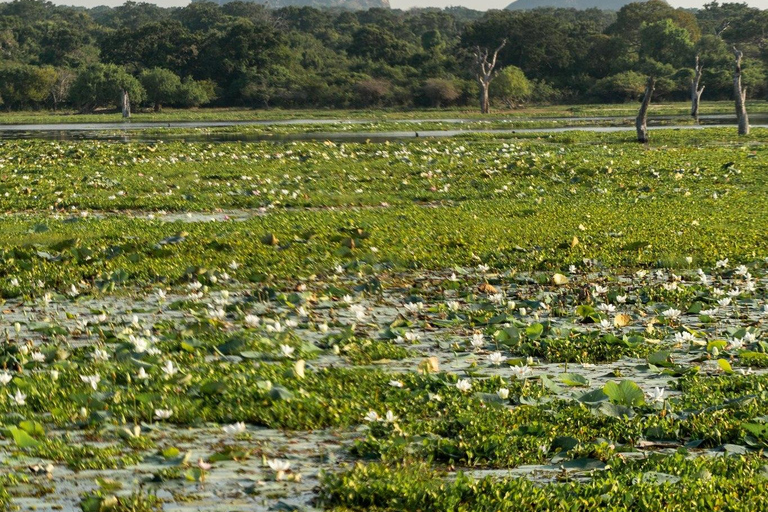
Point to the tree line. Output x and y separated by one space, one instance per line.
245 54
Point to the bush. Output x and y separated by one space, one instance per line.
439 91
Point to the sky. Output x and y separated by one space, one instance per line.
481 5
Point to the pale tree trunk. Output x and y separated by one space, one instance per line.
126 105
740 95
485 73
696 91
641 123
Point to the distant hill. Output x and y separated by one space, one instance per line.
353 5
607 5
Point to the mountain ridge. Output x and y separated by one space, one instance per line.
607 5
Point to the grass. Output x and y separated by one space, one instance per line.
235 114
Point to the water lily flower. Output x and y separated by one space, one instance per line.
142 375
92 380
396 384
725 302
496 358
279 467
502 393
169 369
286 350
656 395
234 429
251 320
599 289
359 311
5 378
204 466
163 414
323 327
38 357
621 299
520 372
464 385
54 375
390 417
100 355
453 305
671 313
289 322
19 398
371 416
721 263
478 340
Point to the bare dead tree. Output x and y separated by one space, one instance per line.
740 94
126 104
485 74
722 28
696 91
61 86
641 123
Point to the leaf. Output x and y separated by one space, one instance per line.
625 393
573 380
279 393
615 410
724 365
22 439
661 358
32 428
551 385
584 464
622 320
490 398
593 397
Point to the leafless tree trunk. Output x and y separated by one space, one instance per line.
126 105
740 94
485 73
641 123
696 90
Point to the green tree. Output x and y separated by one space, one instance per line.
101 85
511 86
161 86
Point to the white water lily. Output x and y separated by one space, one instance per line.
390 417
600 290
496 358
671 313
396 384
163 414
656 394
142 375
252 320
234 429
520 372
287 350
478 340
371 416
92 380
38 357
279 467
100 355
19 398
5 378
169 369
464 385
724 302
502 393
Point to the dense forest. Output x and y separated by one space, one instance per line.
244 54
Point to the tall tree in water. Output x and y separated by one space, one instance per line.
484 71
740 94
641 123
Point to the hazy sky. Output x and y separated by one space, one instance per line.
405 4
